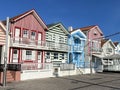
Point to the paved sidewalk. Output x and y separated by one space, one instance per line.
108 81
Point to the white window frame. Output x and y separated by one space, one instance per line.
33 35
25 33
28 55
55 55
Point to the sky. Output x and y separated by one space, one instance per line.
75 13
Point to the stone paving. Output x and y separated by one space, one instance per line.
101 81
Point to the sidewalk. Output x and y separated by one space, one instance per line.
79 82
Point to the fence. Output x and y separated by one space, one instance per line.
66 66
36 66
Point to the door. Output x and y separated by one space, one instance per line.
15 55
17 35
39 59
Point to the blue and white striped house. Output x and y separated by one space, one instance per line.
76 40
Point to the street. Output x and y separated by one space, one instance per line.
99 81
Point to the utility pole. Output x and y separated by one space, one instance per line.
5 54
91 56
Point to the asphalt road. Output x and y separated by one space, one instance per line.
101 81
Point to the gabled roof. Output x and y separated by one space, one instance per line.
106 40
103 41
87 28
18 17
116 43
58 24
80 32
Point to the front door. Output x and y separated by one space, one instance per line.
39 59
15 55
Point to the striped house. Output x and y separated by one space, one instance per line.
27 39
2 42
57 37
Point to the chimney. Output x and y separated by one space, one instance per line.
70 28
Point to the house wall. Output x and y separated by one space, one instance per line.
93 36
105 51
2 44
56 36
29 23
76 53
117 49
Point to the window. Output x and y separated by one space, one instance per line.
61 39
77 41
33 35
25 33
48 55
62 55
55 55
109 50
28 54
15 51
50 37
15 55
39 55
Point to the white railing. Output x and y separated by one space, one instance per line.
36 66
48 45
66 66
96 50
76 48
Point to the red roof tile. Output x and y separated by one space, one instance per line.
87 28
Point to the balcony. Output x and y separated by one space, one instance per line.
36 44
76 48
96 50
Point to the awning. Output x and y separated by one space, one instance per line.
99 56
114 56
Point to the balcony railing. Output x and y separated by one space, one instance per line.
37 44
96 50
76 48
36 66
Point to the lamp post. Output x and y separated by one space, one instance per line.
5 54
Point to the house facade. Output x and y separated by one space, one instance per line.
27 38
76 53
108 47
57 41
93 42
117 47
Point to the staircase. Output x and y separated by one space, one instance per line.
10 76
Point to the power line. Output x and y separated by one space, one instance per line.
112 35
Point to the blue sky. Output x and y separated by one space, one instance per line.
76 13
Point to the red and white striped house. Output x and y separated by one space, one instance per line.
27 47
27 38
